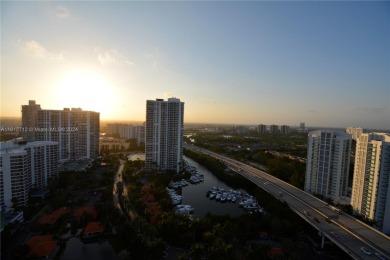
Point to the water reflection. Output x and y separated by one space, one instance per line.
195 195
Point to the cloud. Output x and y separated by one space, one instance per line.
112 56
62 12
35 49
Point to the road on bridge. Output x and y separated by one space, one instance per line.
345 231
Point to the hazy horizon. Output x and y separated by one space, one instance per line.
322 63
204 124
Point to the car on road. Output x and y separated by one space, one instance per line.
382 257
316 220
365 251
306 213
334 234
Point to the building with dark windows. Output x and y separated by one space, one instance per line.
274 129
164 134
262 129
29 120
75 130
284 129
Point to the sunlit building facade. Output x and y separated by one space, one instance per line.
356 132
371 183
164 134
327 168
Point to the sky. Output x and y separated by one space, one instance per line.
283 62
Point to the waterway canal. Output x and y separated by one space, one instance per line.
195 195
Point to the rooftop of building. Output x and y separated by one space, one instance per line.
18 145
87 210
41 246
94 227
77 165
53 217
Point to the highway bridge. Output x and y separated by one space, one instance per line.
357 239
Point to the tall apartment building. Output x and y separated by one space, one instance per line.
75 130
284 129
240 129
29 120
327 167
274 129
371 181
356 132
113 129
262 129
24 166
125 131
164 134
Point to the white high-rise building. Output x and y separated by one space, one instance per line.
164 134
371 180
24 166
327 168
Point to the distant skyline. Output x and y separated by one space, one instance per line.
323 63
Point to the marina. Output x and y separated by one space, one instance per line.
203 193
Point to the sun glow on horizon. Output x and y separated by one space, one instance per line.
87 90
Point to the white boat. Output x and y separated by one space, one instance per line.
184 209
183 206
223 199
218 196
234 199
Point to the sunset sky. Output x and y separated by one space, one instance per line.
322 63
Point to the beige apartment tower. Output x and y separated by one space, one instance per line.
371 181
327 167
75 130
